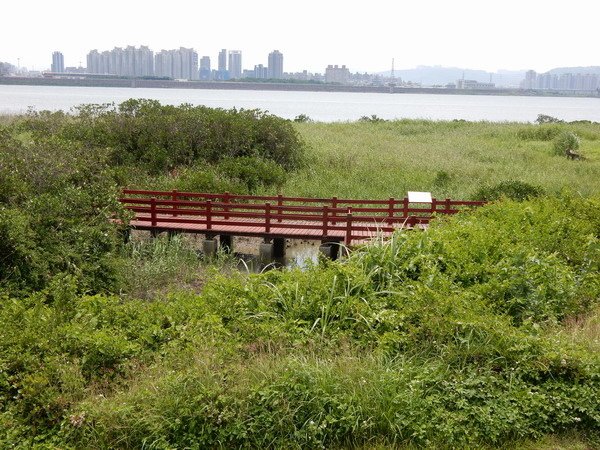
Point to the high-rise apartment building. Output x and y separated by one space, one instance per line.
58 62
275 65
189 63
335 74
144 62
205 73
115 61
163 64
261 72
222 72
222 60
178 64
235 64
128 62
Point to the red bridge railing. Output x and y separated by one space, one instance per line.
321 218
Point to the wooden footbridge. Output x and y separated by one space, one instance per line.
276 218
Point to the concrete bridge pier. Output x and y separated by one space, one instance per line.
330 249
266 251
209 246
271 249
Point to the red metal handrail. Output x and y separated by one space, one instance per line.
162 208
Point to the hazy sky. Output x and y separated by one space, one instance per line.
364 35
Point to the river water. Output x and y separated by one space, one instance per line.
319 106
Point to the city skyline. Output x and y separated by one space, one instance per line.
511 35
182 63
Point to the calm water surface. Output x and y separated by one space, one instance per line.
320 106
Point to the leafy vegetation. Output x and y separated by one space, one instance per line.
60 175
445 338
481 332
566 142
514 190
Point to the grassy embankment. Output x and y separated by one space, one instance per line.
482 332
450 159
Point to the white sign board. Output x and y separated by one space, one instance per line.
419 197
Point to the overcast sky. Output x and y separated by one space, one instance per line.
364 35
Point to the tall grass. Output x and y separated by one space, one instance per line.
450 159
154 267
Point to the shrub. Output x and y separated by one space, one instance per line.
544 118
371 119
302 118
22 267
253 172
163 137
512 189
565 142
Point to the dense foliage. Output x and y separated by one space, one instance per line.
164 137
60 175
482 331
444 338
56 200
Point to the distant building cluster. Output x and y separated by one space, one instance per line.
562 82
186 64
7 69
473 84
182 63
127 62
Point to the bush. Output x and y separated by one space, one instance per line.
302 118
165 137
544 118
22 267
252 172
565 142
512 189
371 119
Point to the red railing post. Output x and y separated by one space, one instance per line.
405 207
391 203
325 220
348 239
208 215
447 206
174 196
334 203
226 208
279 206
153 211
267 217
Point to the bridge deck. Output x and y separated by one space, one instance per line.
328 220
288 229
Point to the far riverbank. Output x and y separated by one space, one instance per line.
268 86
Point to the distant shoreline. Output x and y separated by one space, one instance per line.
302 87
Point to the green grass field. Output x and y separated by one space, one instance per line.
450 159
